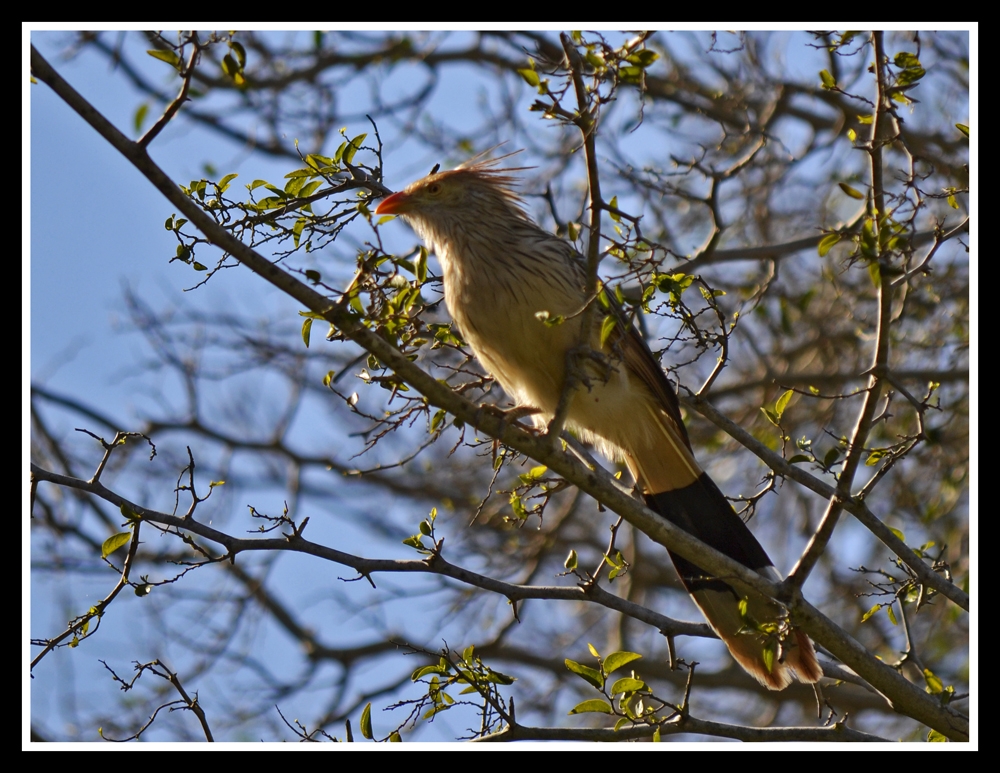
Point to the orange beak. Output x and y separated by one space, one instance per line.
393 205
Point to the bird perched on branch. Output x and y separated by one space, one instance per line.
518 295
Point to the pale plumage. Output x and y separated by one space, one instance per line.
502 276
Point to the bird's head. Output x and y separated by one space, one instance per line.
472 189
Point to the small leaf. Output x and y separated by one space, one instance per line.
140 116
608 325
366 722
591 675
874 457
935 737
934 684
355 146
962 128
627 684
530 77
799 458
306 330
593 650
111 544
616 660
169 57
870 612
423 671
571 561
892 615
852 135
829 82
241 53
898 534
593 706
827 242
394 737
782 402
768 655
771 416
854 193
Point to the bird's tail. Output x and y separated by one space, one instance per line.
754 628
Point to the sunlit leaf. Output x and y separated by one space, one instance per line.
111 544
593 706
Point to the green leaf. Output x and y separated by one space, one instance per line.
962 128
831 457
827 242
224 182
593 650
854 193
782 402
892 615
628 684
394 737
935 737
306 330
829 82
593 706
230 66
852 135
898 534
140 116
934 683
241 53
571 561
875 273
616 660
798 458
170 57
128 512
870 612
530 77
423 671
608 325
414 542
614 215
497 678
768 655
355 146
366 722
771 416
111 544
591 675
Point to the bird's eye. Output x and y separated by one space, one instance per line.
434 188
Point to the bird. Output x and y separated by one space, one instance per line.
517 294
